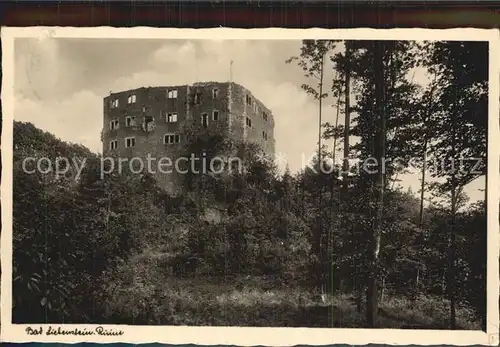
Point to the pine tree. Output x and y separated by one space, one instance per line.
312 61
460 129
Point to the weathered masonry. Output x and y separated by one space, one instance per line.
152 121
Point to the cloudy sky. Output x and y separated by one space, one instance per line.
60 83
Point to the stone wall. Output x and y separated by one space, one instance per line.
192 102
151 104
261 130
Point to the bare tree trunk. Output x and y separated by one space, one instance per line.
422 185
443 283
418 278
452 265
334 151
359 295
424 166
372 290
332 183
321 245
320 110
452 242
383 290
345 164
347 120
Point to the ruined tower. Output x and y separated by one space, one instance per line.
152 121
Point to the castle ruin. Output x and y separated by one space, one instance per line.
154 120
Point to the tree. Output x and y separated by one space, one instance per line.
383 118
427 110
372 292
68 232
460 129
312 62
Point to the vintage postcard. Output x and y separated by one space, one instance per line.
267 187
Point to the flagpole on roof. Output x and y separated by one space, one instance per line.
231 71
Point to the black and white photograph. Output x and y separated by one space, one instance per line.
315 180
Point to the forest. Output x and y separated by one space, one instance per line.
341 248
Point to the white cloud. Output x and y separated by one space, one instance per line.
42 93
296 113
39 69
77 119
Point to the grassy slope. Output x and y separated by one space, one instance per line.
149 297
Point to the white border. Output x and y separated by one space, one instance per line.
256 336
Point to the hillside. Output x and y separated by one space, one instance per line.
239 245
